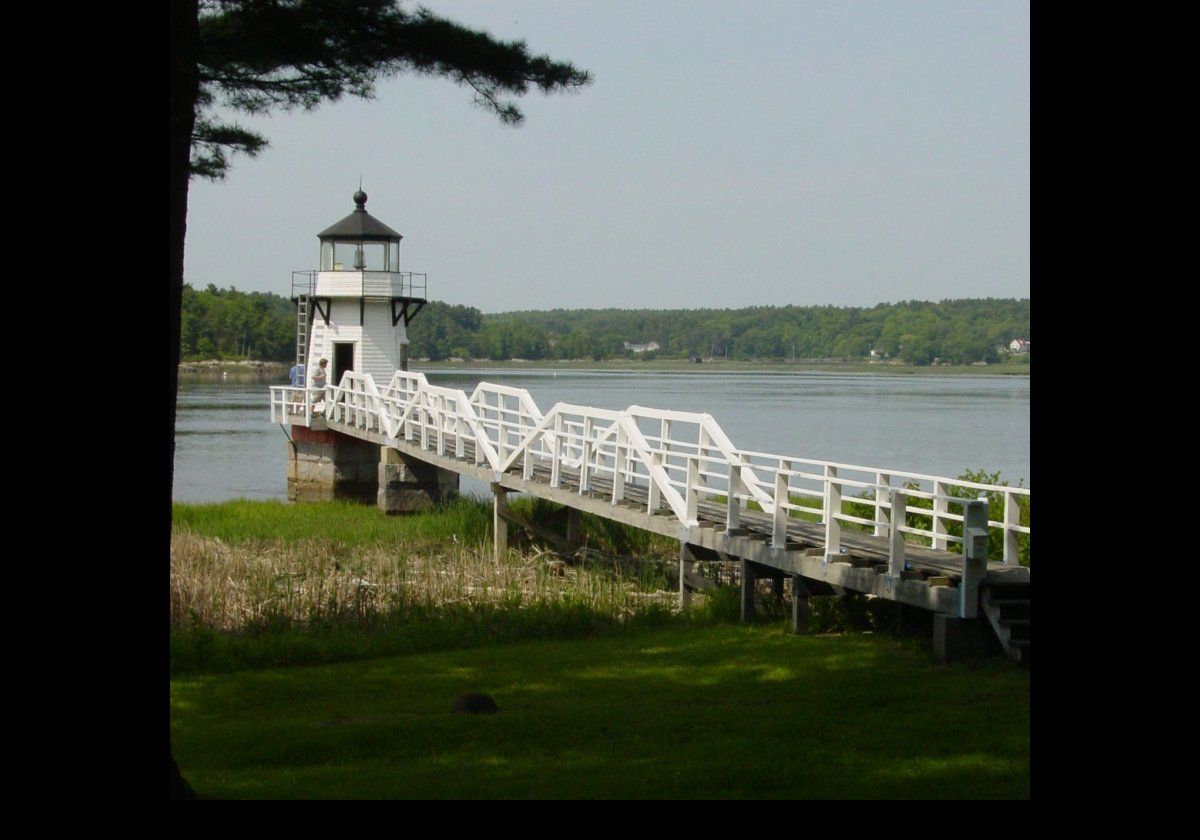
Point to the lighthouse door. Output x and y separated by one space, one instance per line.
343 360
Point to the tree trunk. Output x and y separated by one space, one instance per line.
185 85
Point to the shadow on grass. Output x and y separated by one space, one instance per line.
718 712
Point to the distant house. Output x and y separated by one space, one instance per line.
641 348
1019 345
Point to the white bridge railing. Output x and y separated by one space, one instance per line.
679 458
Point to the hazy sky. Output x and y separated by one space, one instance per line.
726 154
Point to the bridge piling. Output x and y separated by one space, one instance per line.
574 528
686 560
407 485
499 523
799 605
749 581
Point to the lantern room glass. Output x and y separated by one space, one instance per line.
347 255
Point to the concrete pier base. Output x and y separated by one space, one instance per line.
956 639
408 485
324 466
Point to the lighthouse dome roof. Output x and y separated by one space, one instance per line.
360 225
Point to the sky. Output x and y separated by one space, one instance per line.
726 154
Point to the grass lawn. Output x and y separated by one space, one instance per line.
681 712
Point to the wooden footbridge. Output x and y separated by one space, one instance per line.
831 527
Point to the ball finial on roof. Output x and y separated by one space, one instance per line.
360 199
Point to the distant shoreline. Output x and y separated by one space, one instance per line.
725 366
216 368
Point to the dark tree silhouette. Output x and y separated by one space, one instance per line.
259 55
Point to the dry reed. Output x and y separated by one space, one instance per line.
239 586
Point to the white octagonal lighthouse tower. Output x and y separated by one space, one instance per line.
355 309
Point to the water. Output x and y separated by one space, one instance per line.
226 446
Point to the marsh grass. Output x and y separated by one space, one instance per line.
262 583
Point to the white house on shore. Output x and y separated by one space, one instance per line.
641 348
1019 345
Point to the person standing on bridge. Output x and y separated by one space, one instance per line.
319 379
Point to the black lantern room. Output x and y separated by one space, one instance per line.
360 242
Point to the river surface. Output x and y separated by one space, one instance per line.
226 446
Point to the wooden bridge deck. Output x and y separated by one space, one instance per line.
930 580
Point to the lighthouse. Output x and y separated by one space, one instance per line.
355 309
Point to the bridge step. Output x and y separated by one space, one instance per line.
1009 614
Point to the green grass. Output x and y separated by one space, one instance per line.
717 712
350 524
344 523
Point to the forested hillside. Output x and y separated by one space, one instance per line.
229 324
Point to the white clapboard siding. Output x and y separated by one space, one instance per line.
379 348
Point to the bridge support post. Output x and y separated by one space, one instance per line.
407 485
956 639
749 580
574 531
686 559
499 523
799 605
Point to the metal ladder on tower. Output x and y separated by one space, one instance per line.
302 321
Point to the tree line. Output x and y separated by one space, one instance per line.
229 323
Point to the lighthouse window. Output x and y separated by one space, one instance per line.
360 256
374 256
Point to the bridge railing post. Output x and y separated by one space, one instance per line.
779 519
832 509
896 535
556 455
693 489
1012 516
733 504
882 486
526 456
440 419
658 458
618 487
975 549
941 506
585 459
425 420
501 435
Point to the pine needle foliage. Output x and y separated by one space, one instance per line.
258 56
